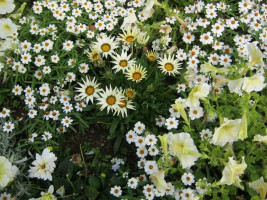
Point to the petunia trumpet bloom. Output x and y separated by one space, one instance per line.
256 56
164 143
227 132
159 181
7 172
254 83
182 146
232 171
199 92
260 186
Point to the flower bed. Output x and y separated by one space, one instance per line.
133 99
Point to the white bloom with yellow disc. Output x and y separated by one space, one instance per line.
136 73
182 146
105 45
44 165
88 90
227 132
122 62
110 99
232 171
169 65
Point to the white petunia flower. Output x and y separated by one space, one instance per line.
227 132
6 6
232 171
7 172
254 83
182 146
7 27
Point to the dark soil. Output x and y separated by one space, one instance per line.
95 136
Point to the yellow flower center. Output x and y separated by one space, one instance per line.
137 75
89 90
122 103
105 47
129 38
123 63
111 100
95 56
169 66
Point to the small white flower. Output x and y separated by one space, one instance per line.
188 179
8 127
171 123
66 121
116 191
139 127
132 183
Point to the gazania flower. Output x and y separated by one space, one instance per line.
129 36
125 104
105 45
6 6
88 90
136 73
151 55
169 65
7 27
130 93
110 99
94 55
122 62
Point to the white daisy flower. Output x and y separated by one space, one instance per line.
66 121
132 183
116 191
8 127
188 179
171 122
139 127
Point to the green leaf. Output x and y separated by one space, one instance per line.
117 144
94 182
65 167
114 126
90 192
